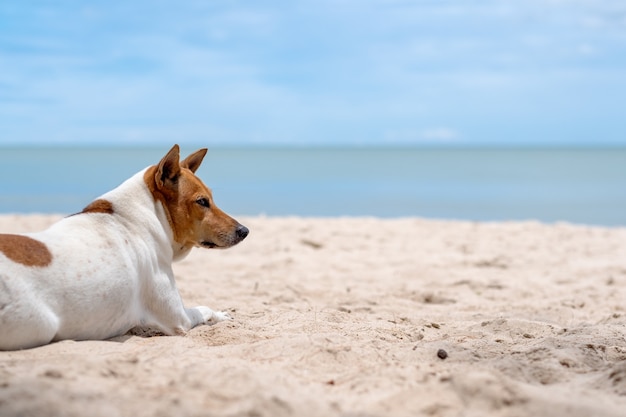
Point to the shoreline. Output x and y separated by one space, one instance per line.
49 218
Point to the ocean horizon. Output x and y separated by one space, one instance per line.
584 185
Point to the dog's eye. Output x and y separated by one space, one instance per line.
203 202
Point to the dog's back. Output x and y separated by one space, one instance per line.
80 267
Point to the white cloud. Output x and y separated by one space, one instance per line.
416 136
441 134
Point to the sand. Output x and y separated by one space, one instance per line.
354 317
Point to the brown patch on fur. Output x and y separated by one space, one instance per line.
25 250
99 206
178 203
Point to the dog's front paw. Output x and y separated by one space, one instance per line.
211 317
220 316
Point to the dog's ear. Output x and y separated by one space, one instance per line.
169 168
194 160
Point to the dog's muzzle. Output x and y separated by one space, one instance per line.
239 234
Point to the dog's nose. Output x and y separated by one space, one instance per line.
242 232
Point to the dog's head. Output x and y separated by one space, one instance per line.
188 203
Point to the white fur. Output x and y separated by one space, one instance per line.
109 273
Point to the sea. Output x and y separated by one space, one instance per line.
578 185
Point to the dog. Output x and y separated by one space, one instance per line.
101 272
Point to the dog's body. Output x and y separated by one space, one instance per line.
101 272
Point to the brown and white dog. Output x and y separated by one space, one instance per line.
101 272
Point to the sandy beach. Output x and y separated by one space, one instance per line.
362 317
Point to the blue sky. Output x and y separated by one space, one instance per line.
354 72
